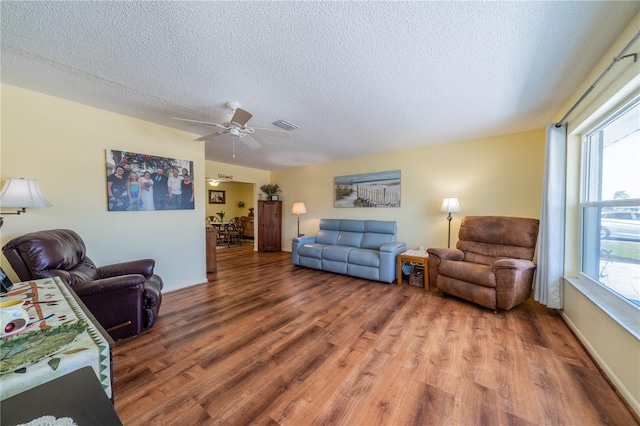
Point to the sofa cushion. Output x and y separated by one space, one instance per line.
311 250
469 272
311 262
366 272
374 241
330 224
488 253
352 225
380 227
327 236
52 249
334 266
351 239
339 253
364 257
499 236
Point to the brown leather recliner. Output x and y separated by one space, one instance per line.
492 264
125 297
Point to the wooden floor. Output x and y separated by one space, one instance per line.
270 343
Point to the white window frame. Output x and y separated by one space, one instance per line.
617 307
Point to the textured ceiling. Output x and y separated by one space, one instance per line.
356 77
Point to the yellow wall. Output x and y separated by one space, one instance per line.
62 144
235 192
255 177
615 349
500 175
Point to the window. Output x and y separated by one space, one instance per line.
610 204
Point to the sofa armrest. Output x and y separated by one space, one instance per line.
108 285
142 266
446 253
297 242
388 263
514 281
307 239
395 248
436 255
116 303
512 264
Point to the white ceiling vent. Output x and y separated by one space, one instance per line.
285 125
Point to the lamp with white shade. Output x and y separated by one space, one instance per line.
450 205
23 194
298 208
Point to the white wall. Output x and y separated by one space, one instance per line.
62 144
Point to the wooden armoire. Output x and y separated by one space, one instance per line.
269 225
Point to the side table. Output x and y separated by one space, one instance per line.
414 256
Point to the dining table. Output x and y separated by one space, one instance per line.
222 228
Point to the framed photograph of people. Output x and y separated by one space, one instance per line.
139 182
216 197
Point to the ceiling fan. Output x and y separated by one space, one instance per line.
237 128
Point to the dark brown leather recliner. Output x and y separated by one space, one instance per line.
492 264
125 297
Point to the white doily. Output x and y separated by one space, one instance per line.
50 421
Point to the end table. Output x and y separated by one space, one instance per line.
414 256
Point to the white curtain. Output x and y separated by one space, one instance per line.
550 258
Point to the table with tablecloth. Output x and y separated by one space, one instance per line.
54 311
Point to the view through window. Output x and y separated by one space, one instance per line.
610 203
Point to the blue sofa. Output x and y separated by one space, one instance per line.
360 248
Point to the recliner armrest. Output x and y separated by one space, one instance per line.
141 266
107 285
446 253
513 264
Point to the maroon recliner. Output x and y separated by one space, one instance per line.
124 297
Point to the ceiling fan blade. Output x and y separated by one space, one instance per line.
241 117
250 142
201 122
271 132
209 136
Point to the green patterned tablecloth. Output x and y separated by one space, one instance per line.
62 339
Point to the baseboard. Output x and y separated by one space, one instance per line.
619 388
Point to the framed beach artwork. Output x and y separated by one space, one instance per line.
145 182
379 189
216 197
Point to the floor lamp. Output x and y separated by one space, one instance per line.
298 208
450 205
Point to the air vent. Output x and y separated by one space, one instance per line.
285 125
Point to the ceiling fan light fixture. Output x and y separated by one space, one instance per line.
283 124
232 105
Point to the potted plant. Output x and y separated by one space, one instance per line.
270 190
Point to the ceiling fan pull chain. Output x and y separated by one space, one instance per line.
234 147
